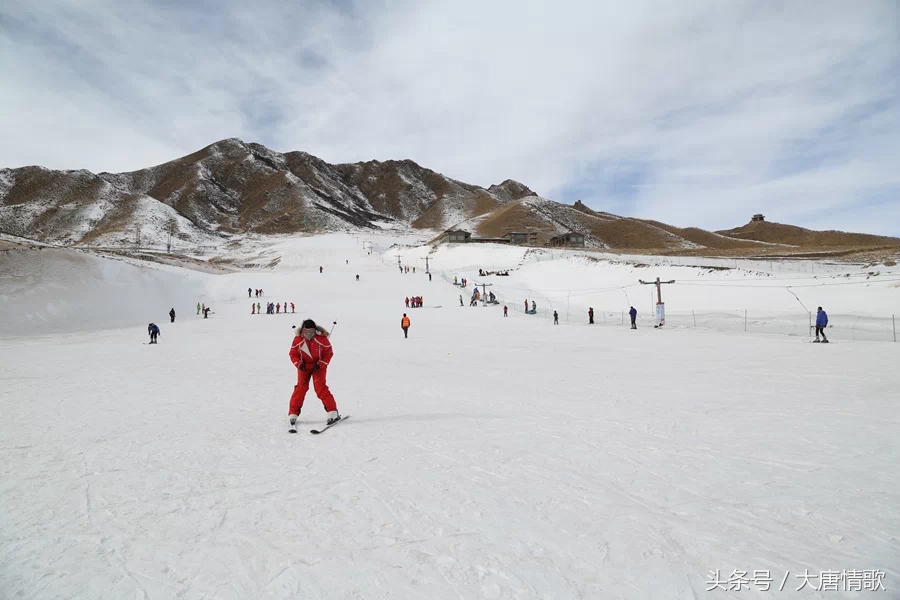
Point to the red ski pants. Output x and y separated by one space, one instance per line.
319 384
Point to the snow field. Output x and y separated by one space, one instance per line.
860 306
485 457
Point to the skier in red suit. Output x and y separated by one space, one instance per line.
311 353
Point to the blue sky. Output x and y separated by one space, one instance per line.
696 113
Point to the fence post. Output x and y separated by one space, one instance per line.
745 319
894 323
695 317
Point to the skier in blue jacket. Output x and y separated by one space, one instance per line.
821 324
153 330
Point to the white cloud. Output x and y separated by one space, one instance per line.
715 109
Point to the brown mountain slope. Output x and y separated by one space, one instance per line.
601 230
704 238
778 233
232 187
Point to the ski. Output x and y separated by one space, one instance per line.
317 431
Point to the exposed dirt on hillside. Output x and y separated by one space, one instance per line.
792 235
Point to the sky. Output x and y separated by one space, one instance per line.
695 113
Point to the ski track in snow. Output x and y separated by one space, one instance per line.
486 457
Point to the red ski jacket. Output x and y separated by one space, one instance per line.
318 350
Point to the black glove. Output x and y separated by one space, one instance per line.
302 366
317 367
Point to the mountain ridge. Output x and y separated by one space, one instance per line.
231 188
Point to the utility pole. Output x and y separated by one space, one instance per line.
484 287
427 270
660 307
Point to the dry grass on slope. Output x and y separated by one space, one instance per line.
705 238
779 233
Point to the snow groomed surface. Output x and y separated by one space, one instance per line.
486 457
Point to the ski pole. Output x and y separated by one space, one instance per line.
334 326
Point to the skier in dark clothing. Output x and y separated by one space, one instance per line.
172 315
153 330
249 292
633 314
591 316
555 318
821 324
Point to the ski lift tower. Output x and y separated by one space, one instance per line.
660 307
484 287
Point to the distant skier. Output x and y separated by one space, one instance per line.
198 309
258 308
311 352
591 316
460 300
320 269
292 308
633 314
278 308
504 312
555 318
404 324
206 312
249 292
821 324
407 302
526 305
172 315
429 277
253 309
357 277
153 330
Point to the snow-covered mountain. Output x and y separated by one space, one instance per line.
233 187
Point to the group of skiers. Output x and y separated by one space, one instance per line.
462 282
311 351
406 269
272 308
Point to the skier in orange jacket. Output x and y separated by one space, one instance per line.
404 323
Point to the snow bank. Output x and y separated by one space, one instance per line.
50 291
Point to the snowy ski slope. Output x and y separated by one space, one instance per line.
486 457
